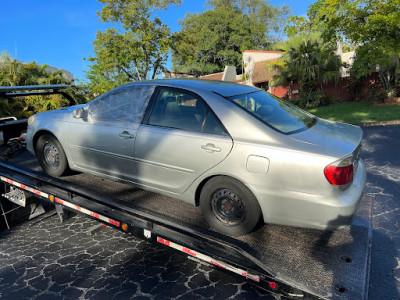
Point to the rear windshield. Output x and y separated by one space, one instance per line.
274 112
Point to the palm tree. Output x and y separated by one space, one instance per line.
10 70
308 63
15 73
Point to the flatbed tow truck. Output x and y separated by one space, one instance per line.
288 262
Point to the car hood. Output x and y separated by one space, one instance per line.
59 114
331 138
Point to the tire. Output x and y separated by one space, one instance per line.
51 155
229 206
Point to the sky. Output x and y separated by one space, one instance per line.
60 33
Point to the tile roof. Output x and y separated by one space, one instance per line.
215 76
261 72
259 51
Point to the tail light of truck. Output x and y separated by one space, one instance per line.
340 173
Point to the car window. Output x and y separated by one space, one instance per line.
178 110
276 113
125 104
212 125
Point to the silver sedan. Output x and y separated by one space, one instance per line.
244 156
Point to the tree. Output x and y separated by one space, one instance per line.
16 73
297 25
211 40
269 18
306 61
135 49
374 26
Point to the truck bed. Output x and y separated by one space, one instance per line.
325 264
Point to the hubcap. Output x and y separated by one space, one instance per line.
227 207
51 156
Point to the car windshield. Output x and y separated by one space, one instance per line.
274 112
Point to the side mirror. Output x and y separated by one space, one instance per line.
79 113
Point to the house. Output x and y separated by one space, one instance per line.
256 73
229 74
254 63
169 74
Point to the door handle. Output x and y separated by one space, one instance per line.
126 134
210 148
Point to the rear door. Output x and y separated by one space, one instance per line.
180 139
104 140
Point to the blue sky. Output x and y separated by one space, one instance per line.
61 33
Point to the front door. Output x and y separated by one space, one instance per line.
103 141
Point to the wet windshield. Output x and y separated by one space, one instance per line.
276 113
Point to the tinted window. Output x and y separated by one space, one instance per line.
124 104
178 110
275 112
212 125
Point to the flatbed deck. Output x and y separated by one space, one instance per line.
324 264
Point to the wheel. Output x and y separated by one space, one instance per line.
51 155
229 206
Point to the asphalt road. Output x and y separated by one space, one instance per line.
45 260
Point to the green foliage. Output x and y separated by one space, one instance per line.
310 99
135 49
306 61
314 98
215 38
38 104
373 25
15 73
296 25
354 86
211 40
371 58
270 19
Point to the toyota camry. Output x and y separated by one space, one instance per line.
243 155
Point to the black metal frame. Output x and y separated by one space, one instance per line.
223 248
17 91
15 128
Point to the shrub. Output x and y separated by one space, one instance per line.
313 99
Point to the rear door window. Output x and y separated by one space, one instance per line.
182 110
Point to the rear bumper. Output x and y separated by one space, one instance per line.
324 212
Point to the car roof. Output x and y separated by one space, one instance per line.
223 88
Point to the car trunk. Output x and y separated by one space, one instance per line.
332 138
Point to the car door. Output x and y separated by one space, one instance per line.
103 141
180 138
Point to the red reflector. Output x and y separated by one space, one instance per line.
188 251
59 201
116 223
94 215
162 241
273 285
218 264
339 175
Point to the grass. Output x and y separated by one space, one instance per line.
358 113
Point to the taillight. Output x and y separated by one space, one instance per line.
338 175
